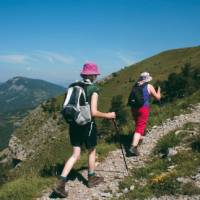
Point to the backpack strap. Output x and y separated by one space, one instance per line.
79 96
84 85
69 93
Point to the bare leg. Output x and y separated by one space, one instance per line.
92 178
136 139
91 159
71 161
60 187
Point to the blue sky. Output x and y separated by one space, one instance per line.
52 39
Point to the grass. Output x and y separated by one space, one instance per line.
159 175
166 142
24 188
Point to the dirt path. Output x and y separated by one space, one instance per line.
112 169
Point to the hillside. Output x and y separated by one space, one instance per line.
159 66
19 95
41 143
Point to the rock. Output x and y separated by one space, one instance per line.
171 167
178 131
97 163
196 177
105 194
17 124
16 149
169 159
118 195
132 187
125 190
183 180
171 152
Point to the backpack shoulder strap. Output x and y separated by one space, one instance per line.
81 91
68 96
84 87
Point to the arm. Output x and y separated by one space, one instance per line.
94 109
152 92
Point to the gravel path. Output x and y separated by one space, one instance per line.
113 169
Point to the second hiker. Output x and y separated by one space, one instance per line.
140 107
85 134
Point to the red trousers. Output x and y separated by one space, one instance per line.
140 117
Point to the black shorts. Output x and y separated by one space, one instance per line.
86 134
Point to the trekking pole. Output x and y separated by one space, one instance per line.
117 132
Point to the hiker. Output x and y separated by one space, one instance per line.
85 134
140 107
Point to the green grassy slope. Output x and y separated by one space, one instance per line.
159 66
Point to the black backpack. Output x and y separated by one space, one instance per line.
136 98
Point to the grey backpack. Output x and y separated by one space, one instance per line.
76 107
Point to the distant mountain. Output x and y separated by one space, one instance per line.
20 94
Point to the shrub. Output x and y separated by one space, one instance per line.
169 140
190 189
166 187
24 188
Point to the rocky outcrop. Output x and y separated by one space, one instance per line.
16 150
37 129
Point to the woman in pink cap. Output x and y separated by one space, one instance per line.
86 134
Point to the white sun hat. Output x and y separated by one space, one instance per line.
145 77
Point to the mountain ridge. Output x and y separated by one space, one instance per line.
18 96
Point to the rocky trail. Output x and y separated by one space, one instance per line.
113 169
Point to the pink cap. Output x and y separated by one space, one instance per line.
90 69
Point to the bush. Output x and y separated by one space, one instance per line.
166 187
118 107
169 140
183 84
24 188
190 189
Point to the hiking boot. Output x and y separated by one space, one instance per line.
133 151
94 180
60 189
